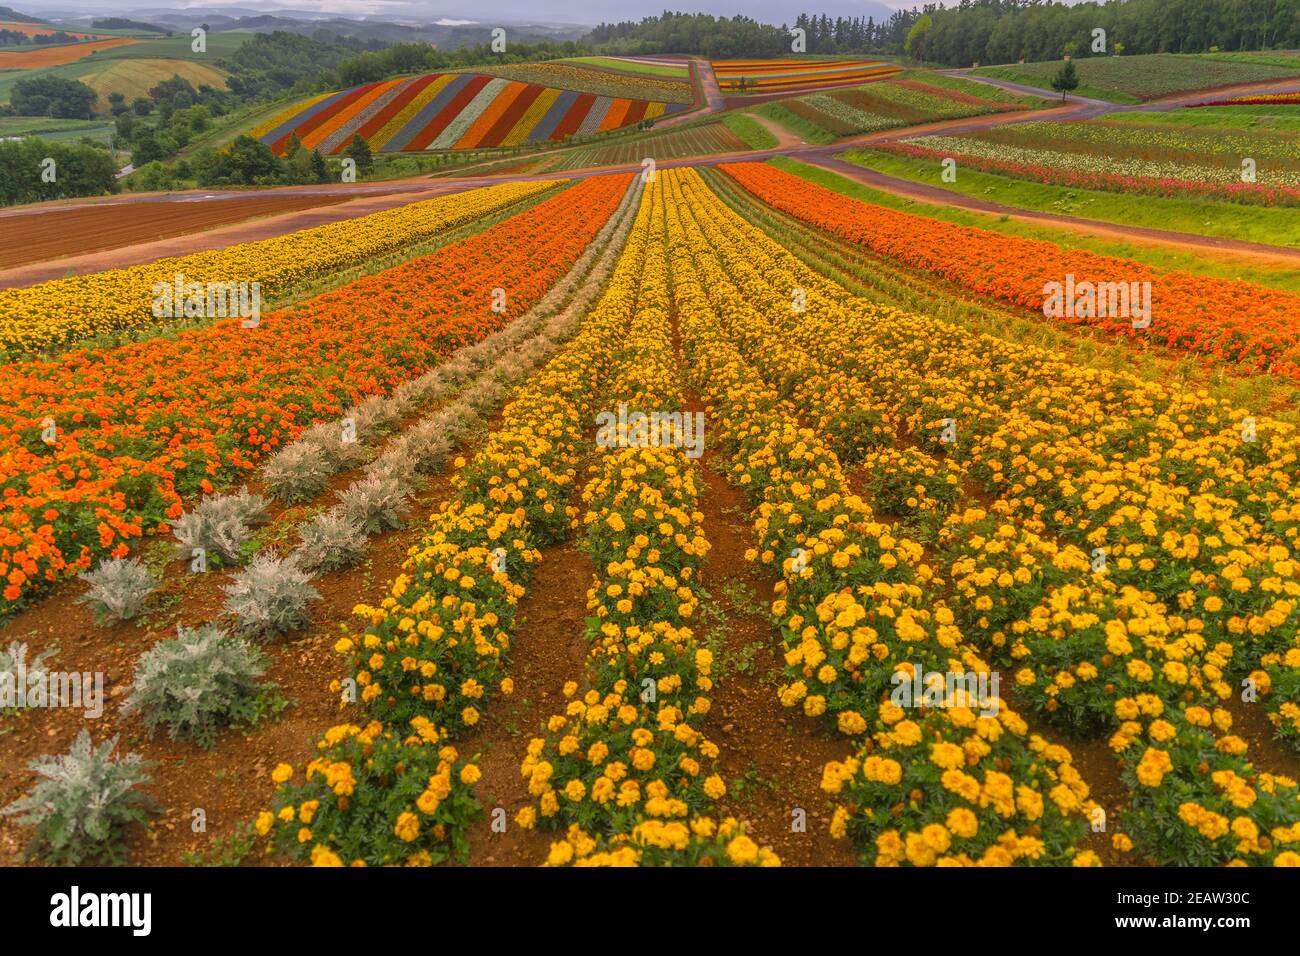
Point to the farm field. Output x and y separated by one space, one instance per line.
57 55
88 229
784 76
1129 158
135 77
665 450
451 111
890 104
669 84
647 66
1135 79
694 140
127 66
40 29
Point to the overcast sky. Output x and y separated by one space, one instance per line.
564 11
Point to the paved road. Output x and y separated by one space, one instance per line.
397 192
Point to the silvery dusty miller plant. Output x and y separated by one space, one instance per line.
330 541
118 588
270 596
375 503
221 524
201 680
297 473
83 802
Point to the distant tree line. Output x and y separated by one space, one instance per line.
14 37
122 23
985 31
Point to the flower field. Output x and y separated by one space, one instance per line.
64 311
894 103
1268 99
779 76
451 111
1128 158
703 516
1233 321
140 426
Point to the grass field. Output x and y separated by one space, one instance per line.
1271 226
1134 79
57 130
695 140
628 66
135 77
1225 267
755 135
165 49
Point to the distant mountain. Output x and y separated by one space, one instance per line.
445 36
543 16
13 16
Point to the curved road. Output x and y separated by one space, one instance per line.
371 197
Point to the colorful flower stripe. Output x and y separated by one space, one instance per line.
435 650
760 76
626 768
451 111
853 604
62 311
1059 169
1266 99
1230 320
141 425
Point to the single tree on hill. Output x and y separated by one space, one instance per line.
914 45
1066 79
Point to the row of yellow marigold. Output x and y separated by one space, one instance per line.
1090 629
627 769
944 778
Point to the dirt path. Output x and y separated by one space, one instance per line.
784 138
714 100
771 756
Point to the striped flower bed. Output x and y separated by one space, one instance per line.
451 111
766 76
1263 99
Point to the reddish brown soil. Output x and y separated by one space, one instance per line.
549 648
75 230
231 782
312 209
777 753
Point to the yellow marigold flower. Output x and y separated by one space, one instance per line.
742 851
407 827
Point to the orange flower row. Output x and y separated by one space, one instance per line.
1231 320
100 446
